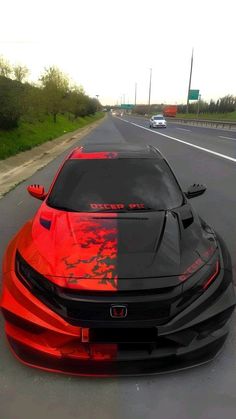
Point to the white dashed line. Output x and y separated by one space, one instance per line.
184 129
227 138
183 142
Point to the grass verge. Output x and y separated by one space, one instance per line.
29 135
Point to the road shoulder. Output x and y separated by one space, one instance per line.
16 169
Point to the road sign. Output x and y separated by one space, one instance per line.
126 106
193 94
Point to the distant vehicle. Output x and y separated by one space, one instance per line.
157 121
170 110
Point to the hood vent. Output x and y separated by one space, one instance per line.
187 221
45 223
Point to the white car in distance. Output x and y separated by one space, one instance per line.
157 121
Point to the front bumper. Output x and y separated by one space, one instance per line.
41 338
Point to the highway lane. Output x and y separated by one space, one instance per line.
191 165
204 392
219 139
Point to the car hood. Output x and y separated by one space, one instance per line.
115 251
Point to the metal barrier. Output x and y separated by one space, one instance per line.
205 123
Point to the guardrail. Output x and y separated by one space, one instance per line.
205 123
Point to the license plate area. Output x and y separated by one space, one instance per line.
123 335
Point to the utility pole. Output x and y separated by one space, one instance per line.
150 88
135 94
190 78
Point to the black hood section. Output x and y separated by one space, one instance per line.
156 248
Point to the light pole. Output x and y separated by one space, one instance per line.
150 88
135 94
190 78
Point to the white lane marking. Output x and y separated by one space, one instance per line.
183 142
183 129
227 138
19 203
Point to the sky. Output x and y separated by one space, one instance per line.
109 45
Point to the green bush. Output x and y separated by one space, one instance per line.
11 93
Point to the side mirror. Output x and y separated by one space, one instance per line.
37 191
195 190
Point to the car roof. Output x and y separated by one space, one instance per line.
104 151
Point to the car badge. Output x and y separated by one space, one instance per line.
118 311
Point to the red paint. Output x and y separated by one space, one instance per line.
79 154
136 206
85 334
119 206
191 269
197 264
79 251
107 206
32 325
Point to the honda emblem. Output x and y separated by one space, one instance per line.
118 312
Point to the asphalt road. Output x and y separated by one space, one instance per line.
206 392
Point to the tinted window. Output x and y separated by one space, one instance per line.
115 184
157 118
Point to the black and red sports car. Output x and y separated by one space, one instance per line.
116 273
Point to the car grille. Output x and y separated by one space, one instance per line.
146 308
101 311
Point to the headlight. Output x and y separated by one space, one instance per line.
212 277
200 273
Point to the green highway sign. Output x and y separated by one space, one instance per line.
126 106
193 94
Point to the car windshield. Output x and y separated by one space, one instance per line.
158 118
115 185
